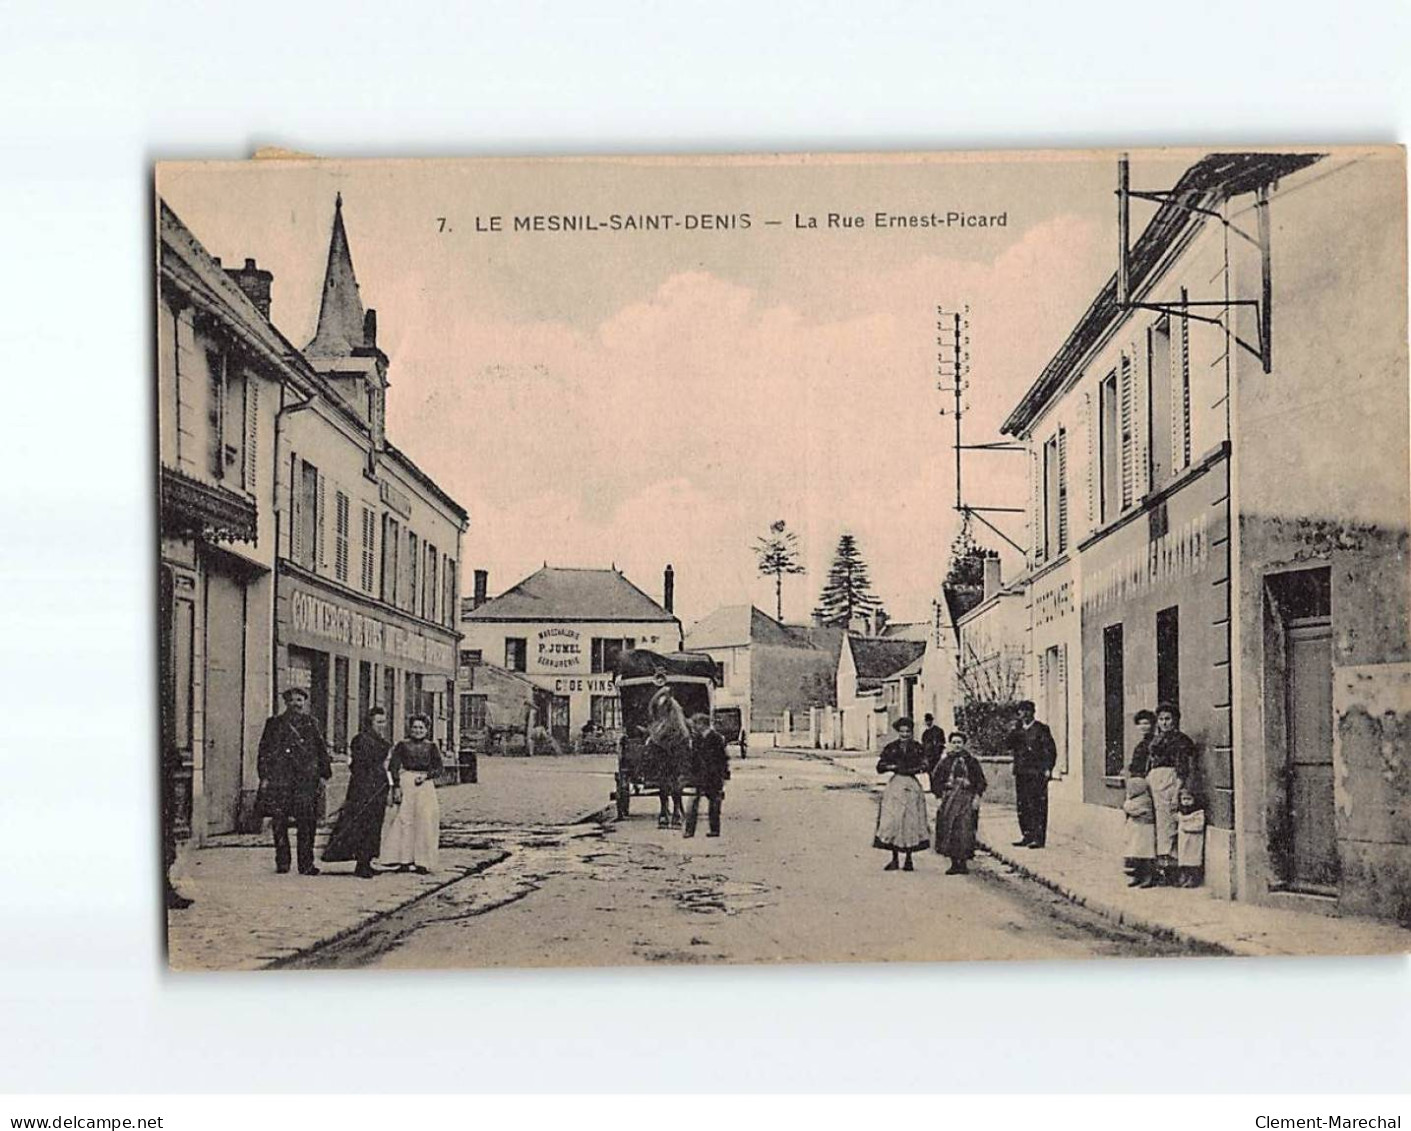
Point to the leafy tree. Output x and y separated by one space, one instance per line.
964 584
967 558
848 590
778 554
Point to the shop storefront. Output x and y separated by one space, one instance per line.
353 654
1155 629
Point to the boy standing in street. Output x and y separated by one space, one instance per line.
710 768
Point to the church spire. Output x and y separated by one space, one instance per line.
340 313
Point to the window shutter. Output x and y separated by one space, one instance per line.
320 514
296 509
1124 395
1063 666
1141 462
1043 675
1181 393
369 548
252 430
1094 460
340 536
1062 490
1036 487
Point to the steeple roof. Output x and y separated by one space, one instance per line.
340 313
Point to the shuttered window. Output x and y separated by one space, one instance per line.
340 536
1037 504
369 548
391 547
252 431
1141 469
1094 463
320 513
1125 393
1062 490
1181 394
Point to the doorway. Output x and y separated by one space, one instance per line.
1300 707
224 715
1312 822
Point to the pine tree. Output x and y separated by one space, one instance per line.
848 590
778 554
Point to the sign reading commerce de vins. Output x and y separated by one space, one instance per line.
331 621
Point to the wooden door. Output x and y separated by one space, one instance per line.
1312 849
224 700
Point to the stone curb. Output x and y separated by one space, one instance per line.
1112 911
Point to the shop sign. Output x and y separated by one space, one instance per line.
558 649
328 620
596 684
1182 552
1054 603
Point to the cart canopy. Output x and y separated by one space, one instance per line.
640 663
690 675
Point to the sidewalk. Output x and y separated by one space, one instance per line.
247 917
1080 871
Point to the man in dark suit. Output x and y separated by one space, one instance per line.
1032 747
710 767
933 742
293 761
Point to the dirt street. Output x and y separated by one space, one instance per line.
794 878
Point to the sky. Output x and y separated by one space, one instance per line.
639 397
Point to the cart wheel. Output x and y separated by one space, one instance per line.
624 796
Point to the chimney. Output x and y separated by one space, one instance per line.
255 283
482 582
668 589
881 621
992 578
817 618
370 329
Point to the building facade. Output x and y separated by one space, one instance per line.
369 545
563 629
298 546
762 667
222 371
1222 554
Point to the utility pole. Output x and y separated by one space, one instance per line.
953 376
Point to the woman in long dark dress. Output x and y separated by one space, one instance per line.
959 782
357 835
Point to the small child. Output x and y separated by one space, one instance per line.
1141 833
1190 841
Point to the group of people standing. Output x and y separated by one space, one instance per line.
958 782
391 812
1164 806
680 750
955 778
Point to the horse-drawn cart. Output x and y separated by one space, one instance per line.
641 676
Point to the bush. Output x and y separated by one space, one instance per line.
986 725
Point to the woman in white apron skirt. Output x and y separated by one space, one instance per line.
411 837
1172 765
903 825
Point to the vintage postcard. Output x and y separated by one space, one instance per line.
784 559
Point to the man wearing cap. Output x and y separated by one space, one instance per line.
933 742
293 760
1032 747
